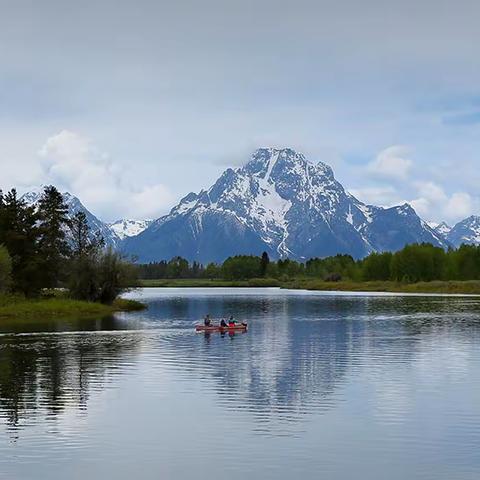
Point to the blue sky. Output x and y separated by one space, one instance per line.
131 105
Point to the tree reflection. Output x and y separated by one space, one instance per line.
45 374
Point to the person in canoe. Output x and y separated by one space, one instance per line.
232 322
207 321
223 323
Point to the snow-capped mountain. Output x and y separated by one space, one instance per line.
442 229
75 205
129 228
467 231
283 204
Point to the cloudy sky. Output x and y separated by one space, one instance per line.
132 104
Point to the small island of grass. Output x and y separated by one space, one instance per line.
12 307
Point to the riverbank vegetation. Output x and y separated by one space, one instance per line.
44 252
417 268
13 306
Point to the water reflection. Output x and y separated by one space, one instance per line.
299 355
300 350
42 375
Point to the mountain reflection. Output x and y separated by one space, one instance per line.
298 355
301 350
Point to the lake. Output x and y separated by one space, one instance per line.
323 385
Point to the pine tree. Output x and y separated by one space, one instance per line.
19 233
265 261
53 245
83 241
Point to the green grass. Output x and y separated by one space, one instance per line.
206 282
19 307
125 305
450 287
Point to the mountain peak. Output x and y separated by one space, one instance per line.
276 162
466 232
281 203
405 209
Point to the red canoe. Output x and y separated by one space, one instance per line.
240 327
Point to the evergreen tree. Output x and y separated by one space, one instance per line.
19 234
264 262
53 245
82 239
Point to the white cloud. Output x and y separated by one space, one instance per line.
73 163
433 203
382 196
460 205
392 163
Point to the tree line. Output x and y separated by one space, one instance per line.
414 263
42 247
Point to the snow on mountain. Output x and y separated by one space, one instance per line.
75 205
465 232
441 228
281 203
128 228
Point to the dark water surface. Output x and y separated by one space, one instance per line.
331 386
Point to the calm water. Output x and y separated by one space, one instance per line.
322 386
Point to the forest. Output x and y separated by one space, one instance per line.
42 249
414 263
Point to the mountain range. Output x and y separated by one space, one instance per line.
113 233
281 203
278 202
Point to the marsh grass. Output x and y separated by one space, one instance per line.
443 287
12 306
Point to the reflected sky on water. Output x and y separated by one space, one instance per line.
329 385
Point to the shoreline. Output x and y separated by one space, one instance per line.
435 287
13 308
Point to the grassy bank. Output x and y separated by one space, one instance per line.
19 307
206 282
444 287
449 287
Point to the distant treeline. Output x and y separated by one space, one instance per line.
42 247
414 263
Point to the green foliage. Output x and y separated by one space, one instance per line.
39 256
19 234
18 307
100 276
377 266
83 241
177 267
419 262
466 263
212 271
339 267
242 267
289 268
414 263
53 247
264 263
5 269
115 276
